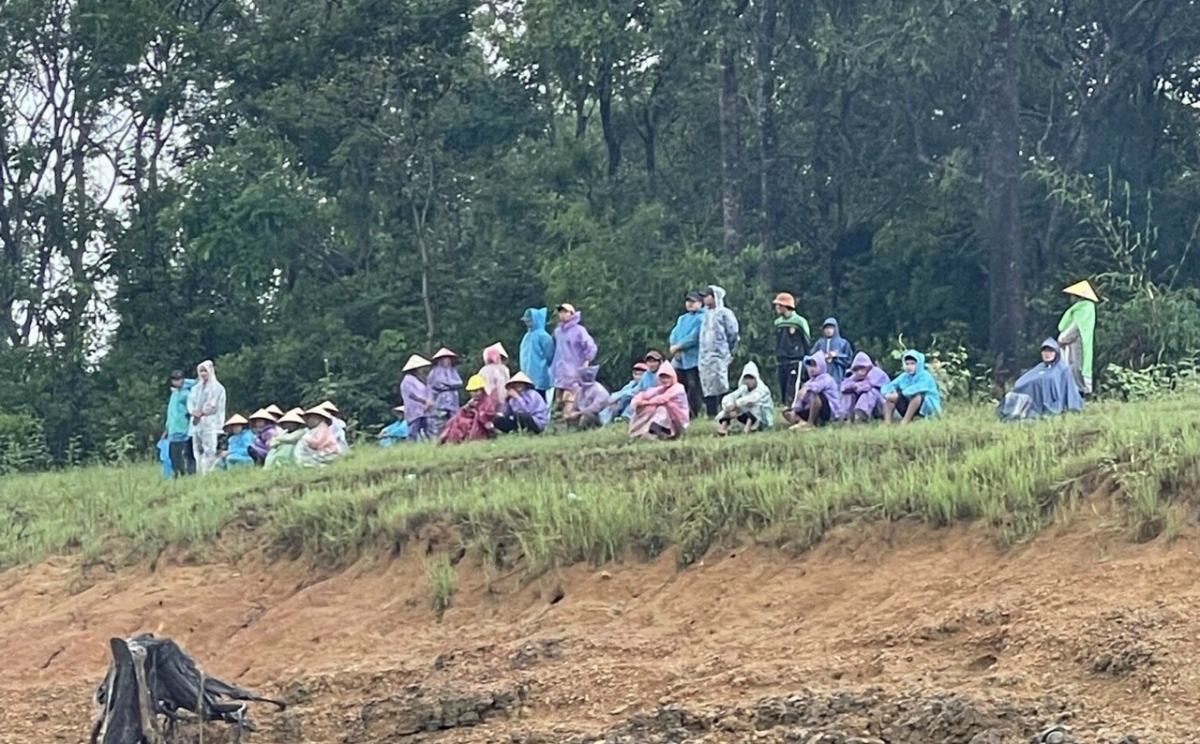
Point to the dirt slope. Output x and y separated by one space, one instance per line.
894 634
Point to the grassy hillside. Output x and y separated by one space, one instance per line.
596 497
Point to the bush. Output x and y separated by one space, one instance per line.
22 444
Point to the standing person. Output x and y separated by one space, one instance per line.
685 350
206 404
445 384
574 349
718 339
537 351
837 351
418 401
791 346
1077 334
179 442
495 372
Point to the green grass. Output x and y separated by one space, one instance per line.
596 497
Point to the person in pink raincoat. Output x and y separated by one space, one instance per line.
495 373
662 411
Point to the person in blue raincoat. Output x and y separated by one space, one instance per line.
176 433
719 333
837 351
913 393
537 350
685 350
1049 389
234 446
619 402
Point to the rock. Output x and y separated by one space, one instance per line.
991 736
286 729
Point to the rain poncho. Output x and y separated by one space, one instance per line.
262 441
495 373
339 433
574 349
920 382
444 383
1077 337
537 350
179 421
283 449
318 447
532 403
840 364
662 405
686 335
474 421
416 397
863 396
1045 390
238 448
164 457
621 400
591 397
393 433
822 383
718 339
207 401
756 402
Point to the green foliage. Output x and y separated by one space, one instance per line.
22 444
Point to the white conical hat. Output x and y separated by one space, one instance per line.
520 377
416 361
236 419
1082 289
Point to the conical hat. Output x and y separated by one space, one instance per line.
263 414
292 417
297 410
274 410
416 361
318 411
521 377
236 419
1082 289
329 406
444 353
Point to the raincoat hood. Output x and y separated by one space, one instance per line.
668 371
1053 346
212 371
862 360
916 356
495 354
536 317
588 375
751 370
718 295
575 319
822 367
837 329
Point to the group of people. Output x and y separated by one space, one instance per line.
198 437
822 381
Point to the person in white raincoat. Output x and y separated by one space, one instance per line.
206 404
750 405
718 339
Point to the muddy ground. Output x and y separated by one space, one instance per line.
894 634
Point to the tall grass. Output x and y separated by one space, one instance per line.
596 497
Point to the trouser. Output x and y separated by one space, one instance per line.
511 422
824 416
418 429
183 459
548 395
789 378
585 421
204 449
712 404
691 382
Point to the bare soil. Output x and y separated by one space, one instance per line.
884 633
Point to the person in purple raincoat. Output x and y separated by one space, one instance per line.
590 401
574 349
862 399
444 384
525 410
818 399
418 400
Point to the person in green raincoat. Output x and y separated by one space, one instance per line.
1077 333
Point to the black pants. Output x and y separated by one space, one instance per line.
517 422
691 382
712 404
183 458
902 404
825 415
789 378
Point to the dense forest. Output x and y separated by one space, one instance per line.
307 191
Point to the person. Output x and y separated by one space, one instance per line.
397 431
338 425
791 344
175 434
1049 389
1077 334
862 391
718 339
537 351
662 411
836 350
416 397
574 349
283 445
524 410
477 419
913 393
750 405
685 350
233 447
445 384
590 401
262 423
618 402
653 360
206 404
318 447
495 373
818 399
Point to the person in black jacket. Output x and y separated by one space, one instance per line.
792 345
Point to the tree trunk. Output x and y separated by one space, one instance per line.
768 14
1002 174
612 138
731 145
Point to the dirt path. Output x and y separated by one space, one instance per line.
1080 625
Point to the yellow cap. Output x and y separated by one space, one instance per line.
475 383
